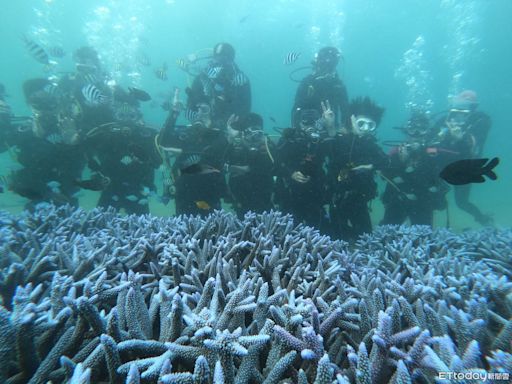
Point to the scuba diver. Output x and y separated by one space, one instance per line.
462 132
354 157
123 158
249 165
414 189
222 85
47 147
301 155
194 157
323 84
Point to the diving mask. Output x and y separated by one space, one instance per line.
458 116
364 124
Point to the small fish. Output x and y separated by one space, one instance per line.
272 119
89 78
51 89
213 72
93 95
139 94
198 169
191 115
291 58
56 51
161 73
53 184
469 171
244 18
131 198
115 198
54 138
126 160
190 160
143 201
239 80
36 51
182 64
411 196
201 204
97 182
117 66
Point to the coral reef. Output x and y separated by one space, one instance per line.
96 297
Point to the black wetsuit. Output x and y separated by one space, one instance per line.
305 201
315 89
251 191
127 155
351 190
413 189
49 169
196 193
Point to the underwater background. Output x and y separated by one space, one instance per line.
399 52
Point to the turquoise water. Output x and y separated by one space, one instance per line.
397 52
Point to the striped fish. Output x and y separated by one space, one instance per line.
93 95
56 51
190 160
51 89
213 72
191 115
183 64
291 58
36 51
239 79
161 72
88 78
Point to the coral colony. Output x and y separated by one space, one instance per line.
95 297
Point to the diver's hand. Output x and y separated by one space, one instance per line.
328 117
327 112
299 177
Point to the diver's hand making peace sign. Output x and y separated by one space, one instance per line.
328 117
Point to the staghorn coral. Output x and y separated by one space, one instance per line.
99 297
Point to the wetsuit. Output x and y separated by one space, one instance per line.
413 187
252 190
225 88
315 89
305 201
196 192
126 154
352 189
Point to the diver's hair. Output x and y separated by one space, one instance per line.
365 106
248 120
